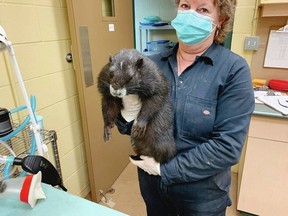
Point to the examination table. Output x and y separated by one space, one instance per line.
57 203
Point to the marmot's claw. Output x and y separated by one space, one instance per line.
107 133
107 137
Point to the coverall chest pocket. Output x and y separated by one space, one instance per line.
198 118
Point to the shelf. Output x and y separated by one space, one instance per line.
149 28
273 10
273 1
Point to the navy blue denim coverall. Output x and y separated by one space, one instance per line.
213 101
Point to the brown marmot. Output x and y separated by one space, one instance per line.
128 73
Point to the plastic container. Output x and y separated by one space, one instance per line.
157 46
12 188
279 85
25 189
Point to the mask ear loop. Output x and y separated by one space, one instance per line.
213 29
217 30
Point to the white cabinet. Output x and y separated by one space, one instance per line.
264 175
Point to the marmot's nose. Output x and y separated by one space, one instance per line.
117 92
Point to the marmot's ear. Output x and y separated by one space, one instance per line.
139 63
110 58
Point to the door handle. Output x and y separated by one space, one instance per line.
69 57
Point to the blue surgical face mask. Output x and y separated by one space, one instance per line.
191 27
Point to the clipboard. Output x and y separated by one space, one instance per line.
277 49
279 103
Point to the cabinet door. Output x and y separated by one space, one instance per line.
264 188
269 128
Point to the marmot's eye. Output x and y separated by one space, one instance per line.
111 74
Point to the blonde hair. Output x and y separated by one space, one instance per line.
227 11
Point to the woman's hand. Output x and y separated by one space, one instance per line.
148 164
131 107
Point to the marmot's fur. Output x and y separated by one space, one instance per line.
130 72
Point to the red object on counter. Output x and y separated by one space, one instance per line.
24 193
279 85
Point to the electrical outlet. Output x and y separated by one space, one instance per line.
251 43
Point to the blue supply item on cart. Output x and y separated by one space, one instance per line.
160 24
157 46
153 21
155 24
152 18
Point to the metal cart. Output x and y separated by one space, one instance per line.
21 145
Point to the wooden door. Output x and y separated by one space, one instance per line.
94 37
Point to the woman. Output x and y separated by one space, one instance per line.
213 101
